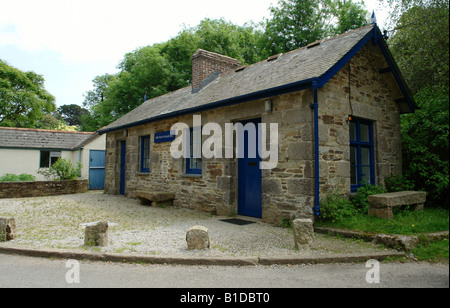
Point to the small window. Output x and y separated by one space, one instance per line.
362 161
145 154
194 161
48 158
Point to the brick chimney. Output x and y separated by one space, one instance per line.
207 66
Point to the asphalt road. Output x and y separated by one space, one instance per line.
28 272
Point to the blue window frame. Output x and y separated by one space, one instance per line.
194 161
145 154
362 159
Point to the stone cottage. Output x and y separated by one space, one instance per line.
336 104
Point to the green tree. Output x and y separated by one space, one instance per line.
94 101
99 92
144 73
240 42
178 51
49 121
23 98
420 44
72 114
399 7
295 24
349 15
425 145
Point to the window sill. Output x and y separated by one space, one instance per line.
186 175
142 173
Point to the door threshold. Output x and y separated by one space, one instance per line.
249 218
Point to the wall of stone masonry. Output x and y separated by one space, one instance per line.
42 188
287 190
371 98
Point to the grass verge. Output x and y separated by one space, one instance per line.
404 223
437 251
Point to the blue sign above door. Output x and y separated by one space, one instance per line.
162 137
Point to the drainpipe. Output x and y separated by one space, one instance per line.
315 106
80 160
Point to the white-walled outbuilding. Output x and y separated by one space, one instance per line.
24 150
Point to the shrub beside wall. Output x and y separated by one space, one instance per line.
42 188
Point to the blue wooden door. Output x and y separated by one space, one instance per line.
96 169
123 154
250 175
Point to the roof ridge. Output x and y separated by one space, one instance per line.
46 130
327 39
298 49
32 138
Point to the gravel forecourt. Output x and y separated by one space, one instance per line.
57 222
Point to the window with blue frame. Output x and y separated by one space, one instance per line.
362 159
145 154
194 161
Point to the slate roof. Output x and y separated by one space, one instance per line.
286 73
43 139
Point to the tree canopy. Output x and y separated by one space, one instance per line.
295 24
72 114
23 98
420 43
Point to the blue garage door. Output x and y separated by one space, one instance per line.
96 169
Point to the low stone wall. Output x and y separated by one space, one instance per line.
395 241
42 188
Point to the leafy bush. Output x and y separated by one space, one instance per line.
360 199
425 145
399 183
336 207
17 178
61 170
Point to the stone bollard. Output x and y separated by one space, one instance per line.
198 238
303 233
96 234
7 229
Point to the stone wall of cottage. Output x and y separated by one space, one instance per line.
361 90
288 189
